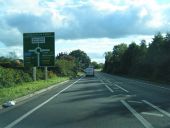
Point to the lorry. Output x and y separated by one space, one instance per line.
89 71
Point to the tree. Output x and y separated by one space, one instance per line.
96 65
66 65
108 62
82 60
151 61
155 50
129 58
118 52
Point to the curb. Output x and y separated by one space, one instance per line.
20 99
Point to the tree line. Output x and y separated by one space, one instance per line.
148 61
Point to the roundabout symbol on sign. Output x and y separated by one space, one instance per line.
37 51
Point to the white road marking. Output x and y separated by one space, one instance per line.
132 80
152 114
157 108
15 122
88 80
118 86
119 82
132 101
158 86
105 84
150 84
115 85
121 88
109 81
108 87
137 115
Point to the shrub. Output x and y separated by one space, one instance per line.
11 77
51 74
66 68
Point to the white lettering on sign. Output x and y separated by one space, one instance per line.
36 40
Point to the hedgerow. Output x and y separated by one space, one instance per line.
11 77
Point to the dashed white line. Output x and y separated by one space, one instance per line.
157 108
137 115
15 122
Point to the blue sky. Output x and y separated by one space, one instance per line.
93 26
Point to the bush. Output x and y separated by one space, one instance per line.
40 74
66 68
51 74
10 77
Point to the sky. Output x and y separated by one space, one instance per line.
93 26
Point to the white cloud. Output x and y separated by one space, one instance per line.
91 25
86 19
143 13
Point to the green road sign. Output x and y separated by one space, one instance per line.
39 49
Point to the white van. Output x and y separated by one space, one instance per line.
89 71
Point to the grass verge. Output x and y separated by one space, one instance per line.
14 92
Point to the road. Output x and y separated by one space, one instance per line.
103 101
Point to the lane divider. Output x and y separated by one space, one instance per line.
15 122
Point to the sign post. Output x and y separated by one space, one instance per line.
46 72
34 73
39 50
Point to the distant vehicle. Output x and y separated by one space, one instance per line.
89 71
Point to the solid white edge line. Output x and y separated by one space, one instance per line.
15 122
121 88
137 115
158 86
157 108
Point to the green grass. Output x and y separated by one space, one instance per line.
14 92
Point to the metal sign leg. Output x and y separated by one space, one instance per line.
46 72
34 74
